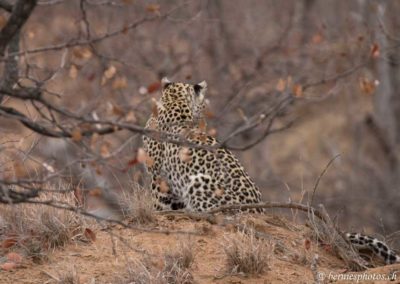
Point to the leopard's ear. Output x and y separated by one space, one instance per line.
203 84
200 87
165 82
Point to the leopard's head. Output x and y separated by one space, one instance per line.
190 98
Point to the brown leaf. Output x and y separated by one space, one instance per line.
93 140
119 83
95 192
8 266
82 52
375 51
14 257
307 244
76 134
202 125
153 8
108 74
367 86
118 111
73 72
9 242
131 117
298 90
105 150
153 87
317 38
281 85
90 235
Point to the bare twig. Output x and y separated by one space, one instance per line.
320 176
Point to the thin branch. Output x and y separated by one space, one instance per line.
321 175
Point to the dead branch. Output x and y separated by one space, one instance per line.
20 14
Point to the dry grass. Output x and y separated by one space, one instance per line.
175 268
137 205
246 254
36 229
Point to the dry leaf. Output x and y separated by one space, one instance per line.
298 90
105 150
118 111
153 8
9 242
108 74
307 244
131 117
76 135
96 192
184 155
93 140
281 85
3 21
202 125
8 266
119 83
317 38
375 51
82 53
19 169
73 72
153 87
90 235
367 86
14 257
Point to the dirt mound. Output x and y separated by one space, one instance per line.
214 253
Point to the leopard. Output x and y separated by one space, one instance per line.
200 177
203 176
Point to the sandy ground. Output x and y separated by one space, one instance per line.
106 259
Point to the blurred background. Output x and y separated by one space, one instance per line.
336 61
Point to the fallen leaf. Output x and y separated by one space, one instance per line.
90 235
8 266
14 257
9 242
307 244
